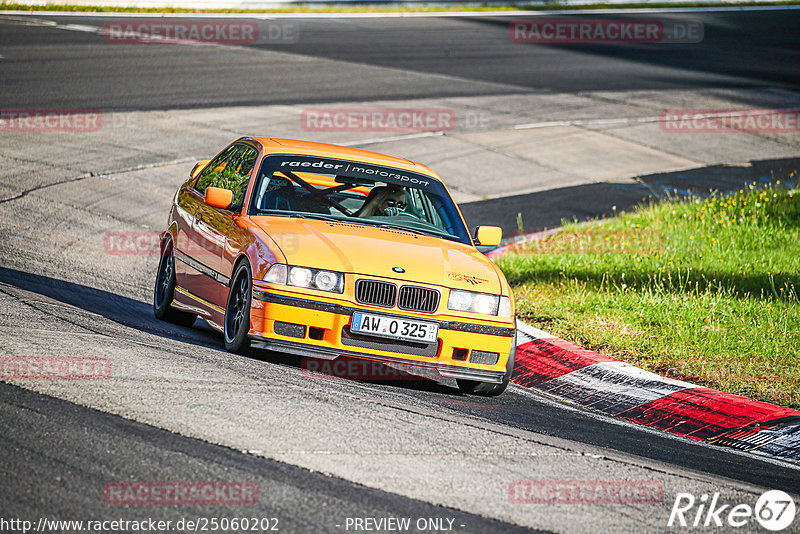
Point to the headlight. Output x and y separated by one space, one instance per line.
326 280
485 304
460 300
300 277
276 274
482 303
304 277
504 310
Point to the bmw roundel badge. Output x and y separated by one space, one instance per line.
398 269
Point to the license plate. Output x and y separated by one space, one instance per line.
394 327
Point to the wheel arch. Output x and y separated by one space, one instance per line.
168 236
243 257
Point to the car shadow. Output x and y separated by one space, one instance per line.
136 314
112 306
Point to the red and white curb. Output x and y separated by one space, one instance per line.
561 369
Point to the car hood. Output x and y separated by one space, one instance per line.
369 250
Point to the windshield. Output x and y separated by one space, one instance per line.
315 187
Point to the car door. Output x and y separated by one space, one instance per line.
236 237
213 227
198 246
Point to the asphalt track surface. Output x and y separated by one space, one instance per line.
515 408
58 457
754 49
43 67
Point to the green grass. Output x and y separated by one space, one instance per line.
373 8
706 290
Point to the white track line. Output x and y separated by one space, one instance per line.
533 332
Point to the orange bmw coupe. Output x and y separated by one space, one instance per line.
326 251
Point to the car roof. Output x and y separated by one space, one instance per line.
295 146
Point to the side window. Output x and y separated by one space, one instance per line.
415 204
230 170
424 208
210 175
242 167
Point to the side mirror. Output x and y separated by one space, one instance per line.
198 167
217 197
488 236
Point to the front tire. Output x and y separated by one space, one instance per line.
489 389
237 311
165 291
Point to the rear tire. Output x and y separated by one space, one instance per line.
165 291
489 389
237 311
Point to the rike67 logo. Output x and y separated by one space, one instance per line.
774 510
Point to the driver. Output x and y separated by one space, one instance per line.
383 200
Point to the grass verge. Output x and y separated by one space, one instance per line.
378 8
706 290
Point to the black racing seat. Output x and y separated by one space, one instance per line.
278 195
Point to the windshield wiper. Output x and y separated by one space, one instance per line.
290 214
317 216
415 230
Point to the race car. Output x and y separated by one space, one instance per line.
326 251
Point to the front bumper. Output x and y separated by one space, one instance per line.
314 351
322 331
